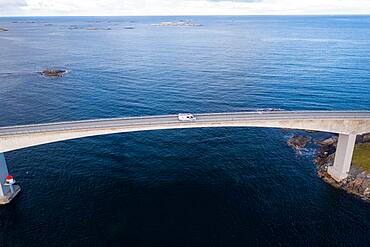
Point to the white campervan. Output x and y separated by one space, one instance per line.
186 117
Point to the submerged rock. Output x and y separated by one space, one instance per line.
53 73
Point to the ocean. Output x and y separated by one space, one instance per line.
191 187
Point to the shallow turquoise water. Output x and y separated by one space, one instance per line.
196 187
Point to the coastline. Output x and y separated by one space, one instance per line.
358 181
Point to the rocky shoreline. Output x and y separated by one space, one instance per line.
358 180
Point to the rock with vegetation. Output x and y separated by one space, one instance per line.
53 73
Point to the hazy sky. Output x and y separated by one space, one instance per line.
181 7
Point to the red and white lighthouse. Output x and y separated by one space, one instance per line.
9 180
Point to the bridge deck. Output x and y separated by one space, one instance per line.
172 119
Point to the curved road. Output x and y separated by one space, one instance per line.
348 122
172 119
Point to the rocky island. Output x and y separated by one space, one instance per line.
97 28
76 27
358 180
53 73
180 23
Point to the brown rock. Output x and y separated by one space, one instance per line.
53 73
298 142
329 141
359 186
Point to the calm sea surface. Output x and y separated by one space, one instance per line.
193 187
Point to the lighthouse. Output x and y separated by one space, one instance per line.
8 187
9 181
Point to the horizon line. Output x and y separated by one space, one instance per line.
210 15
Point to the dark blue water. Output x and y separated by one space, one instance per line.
193 187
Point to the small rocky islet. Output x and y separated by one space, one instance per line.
89 28
181 23
299 141
53 72
358 180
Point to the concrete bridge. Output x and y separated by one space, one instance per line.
347 124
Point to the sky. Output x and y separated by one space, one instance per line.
181 7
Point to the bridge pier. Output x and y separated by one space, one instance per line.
6 192
343 157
